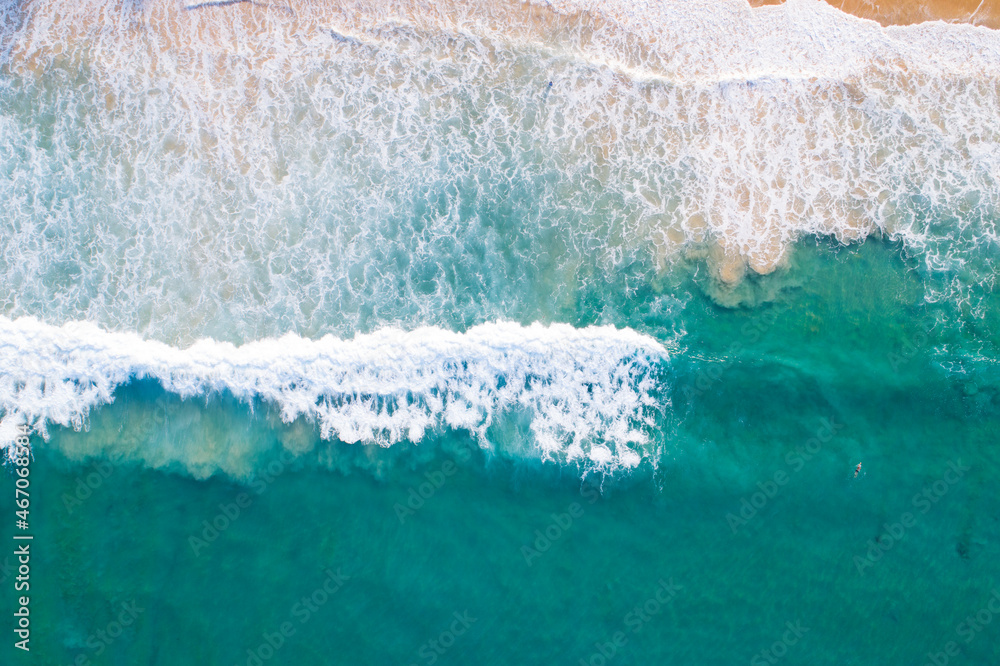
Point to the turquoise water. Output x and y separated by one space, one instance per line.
459 337
338 506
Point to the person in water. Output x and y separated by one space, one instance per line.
857 470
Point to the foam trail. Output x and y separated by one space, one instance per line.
588 392
237 172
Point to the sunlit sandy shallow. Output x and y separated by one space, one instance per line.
731 153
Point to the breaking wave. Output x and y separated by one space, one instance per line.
241 171
590 394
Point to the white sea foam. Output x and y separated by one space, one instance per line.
237 172
589 393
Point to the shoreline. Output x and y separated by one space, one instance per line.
775 113
905 12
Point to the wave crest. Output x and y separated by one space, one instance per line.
589 393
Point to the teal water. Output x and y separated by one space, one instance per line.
457 335
820 345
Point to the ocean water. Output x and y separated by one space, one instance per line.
497 333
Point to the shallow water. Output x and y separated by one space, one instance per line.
514 380
820 348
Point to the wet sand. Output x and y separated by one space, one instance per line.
907 12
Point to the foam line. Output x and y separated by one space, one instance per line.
588 392
240 171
